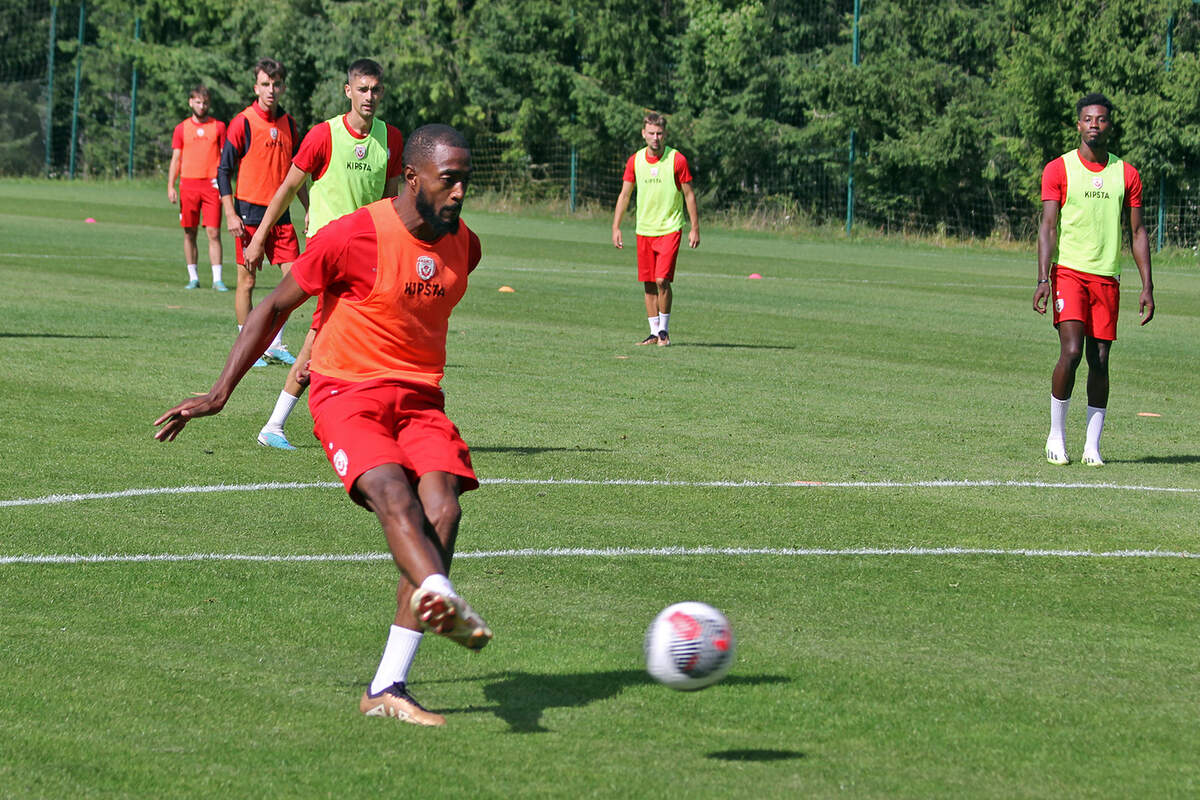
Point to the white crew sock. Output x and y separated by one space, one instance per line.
398 656
216 268
439 583
1095 426
653 325
663 320
283 408
1058 422
193 274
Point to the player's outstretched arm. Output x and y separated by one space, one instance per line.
1139 243
266 318
1047 240
293 182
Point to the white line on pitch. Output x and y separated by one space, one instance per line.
602 552
56 499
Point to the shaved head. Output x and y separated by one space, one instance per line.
422 142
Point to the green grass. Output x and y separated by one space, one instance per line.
862 363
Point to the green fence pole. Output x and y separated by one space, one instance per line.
75 102
50 48
137 35
853 133
574 163
1162 178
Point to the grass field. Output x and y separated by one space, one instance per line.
844 456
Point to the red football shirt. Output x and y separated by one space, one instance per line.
314 153
682 173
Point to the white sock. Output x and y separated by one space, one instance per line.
663 319
192 272
398 656
1095 426
1058 422
216 268
283 408
278 340
653 325
239 328
439 583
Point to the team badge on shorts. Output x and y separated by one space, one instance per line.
341 463
425 268
1059 304
360 151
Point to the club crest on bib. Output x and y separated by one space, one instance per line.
654 172
199 131
425 268
1098 182
360 151
274 134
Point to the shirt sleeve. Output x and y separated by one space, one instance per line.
395 143
177 137
1133 187
1054 182
237 141
682 173
474 253
340 259
630 173
315 151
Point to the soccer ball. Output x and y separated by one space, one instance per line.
689 646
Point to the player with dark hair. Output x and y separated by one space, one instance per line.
195 154
661 199
354 159
262 139
389 275
1085 195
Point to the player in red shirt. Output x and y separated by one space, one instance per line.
389 275
261 141
195 154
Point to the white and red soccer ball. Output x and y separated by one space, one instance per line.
689 646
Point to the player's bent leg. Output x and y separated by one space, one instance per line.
243 298
396 702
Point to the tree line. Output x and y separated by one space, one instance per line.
955 105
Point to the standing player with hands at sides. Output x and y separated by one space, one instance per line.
664 186
195 153
259 147
354 159
1085 195
389 275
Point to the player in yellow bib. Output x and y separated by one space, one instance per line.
664 188
1085 195
354 159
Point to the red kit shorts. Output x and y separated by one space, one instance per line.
364 425
1093 300
282 246
657 255
199 201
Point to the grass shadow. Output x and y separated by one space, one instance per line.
756 755
736 345
521 698
528 451
12 335
1155 460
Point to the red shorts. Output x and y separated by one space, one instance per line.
281 246
657 256
1093 300
199 200
364 425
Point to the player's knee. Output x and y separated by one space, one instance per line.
444 514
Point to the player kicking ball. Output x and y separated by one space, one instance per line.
389 275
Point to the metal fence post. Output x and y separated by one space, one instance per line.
50 48
853 136
137 35
75 102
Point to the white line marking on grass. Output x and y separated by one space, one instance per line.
601 552
56 499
